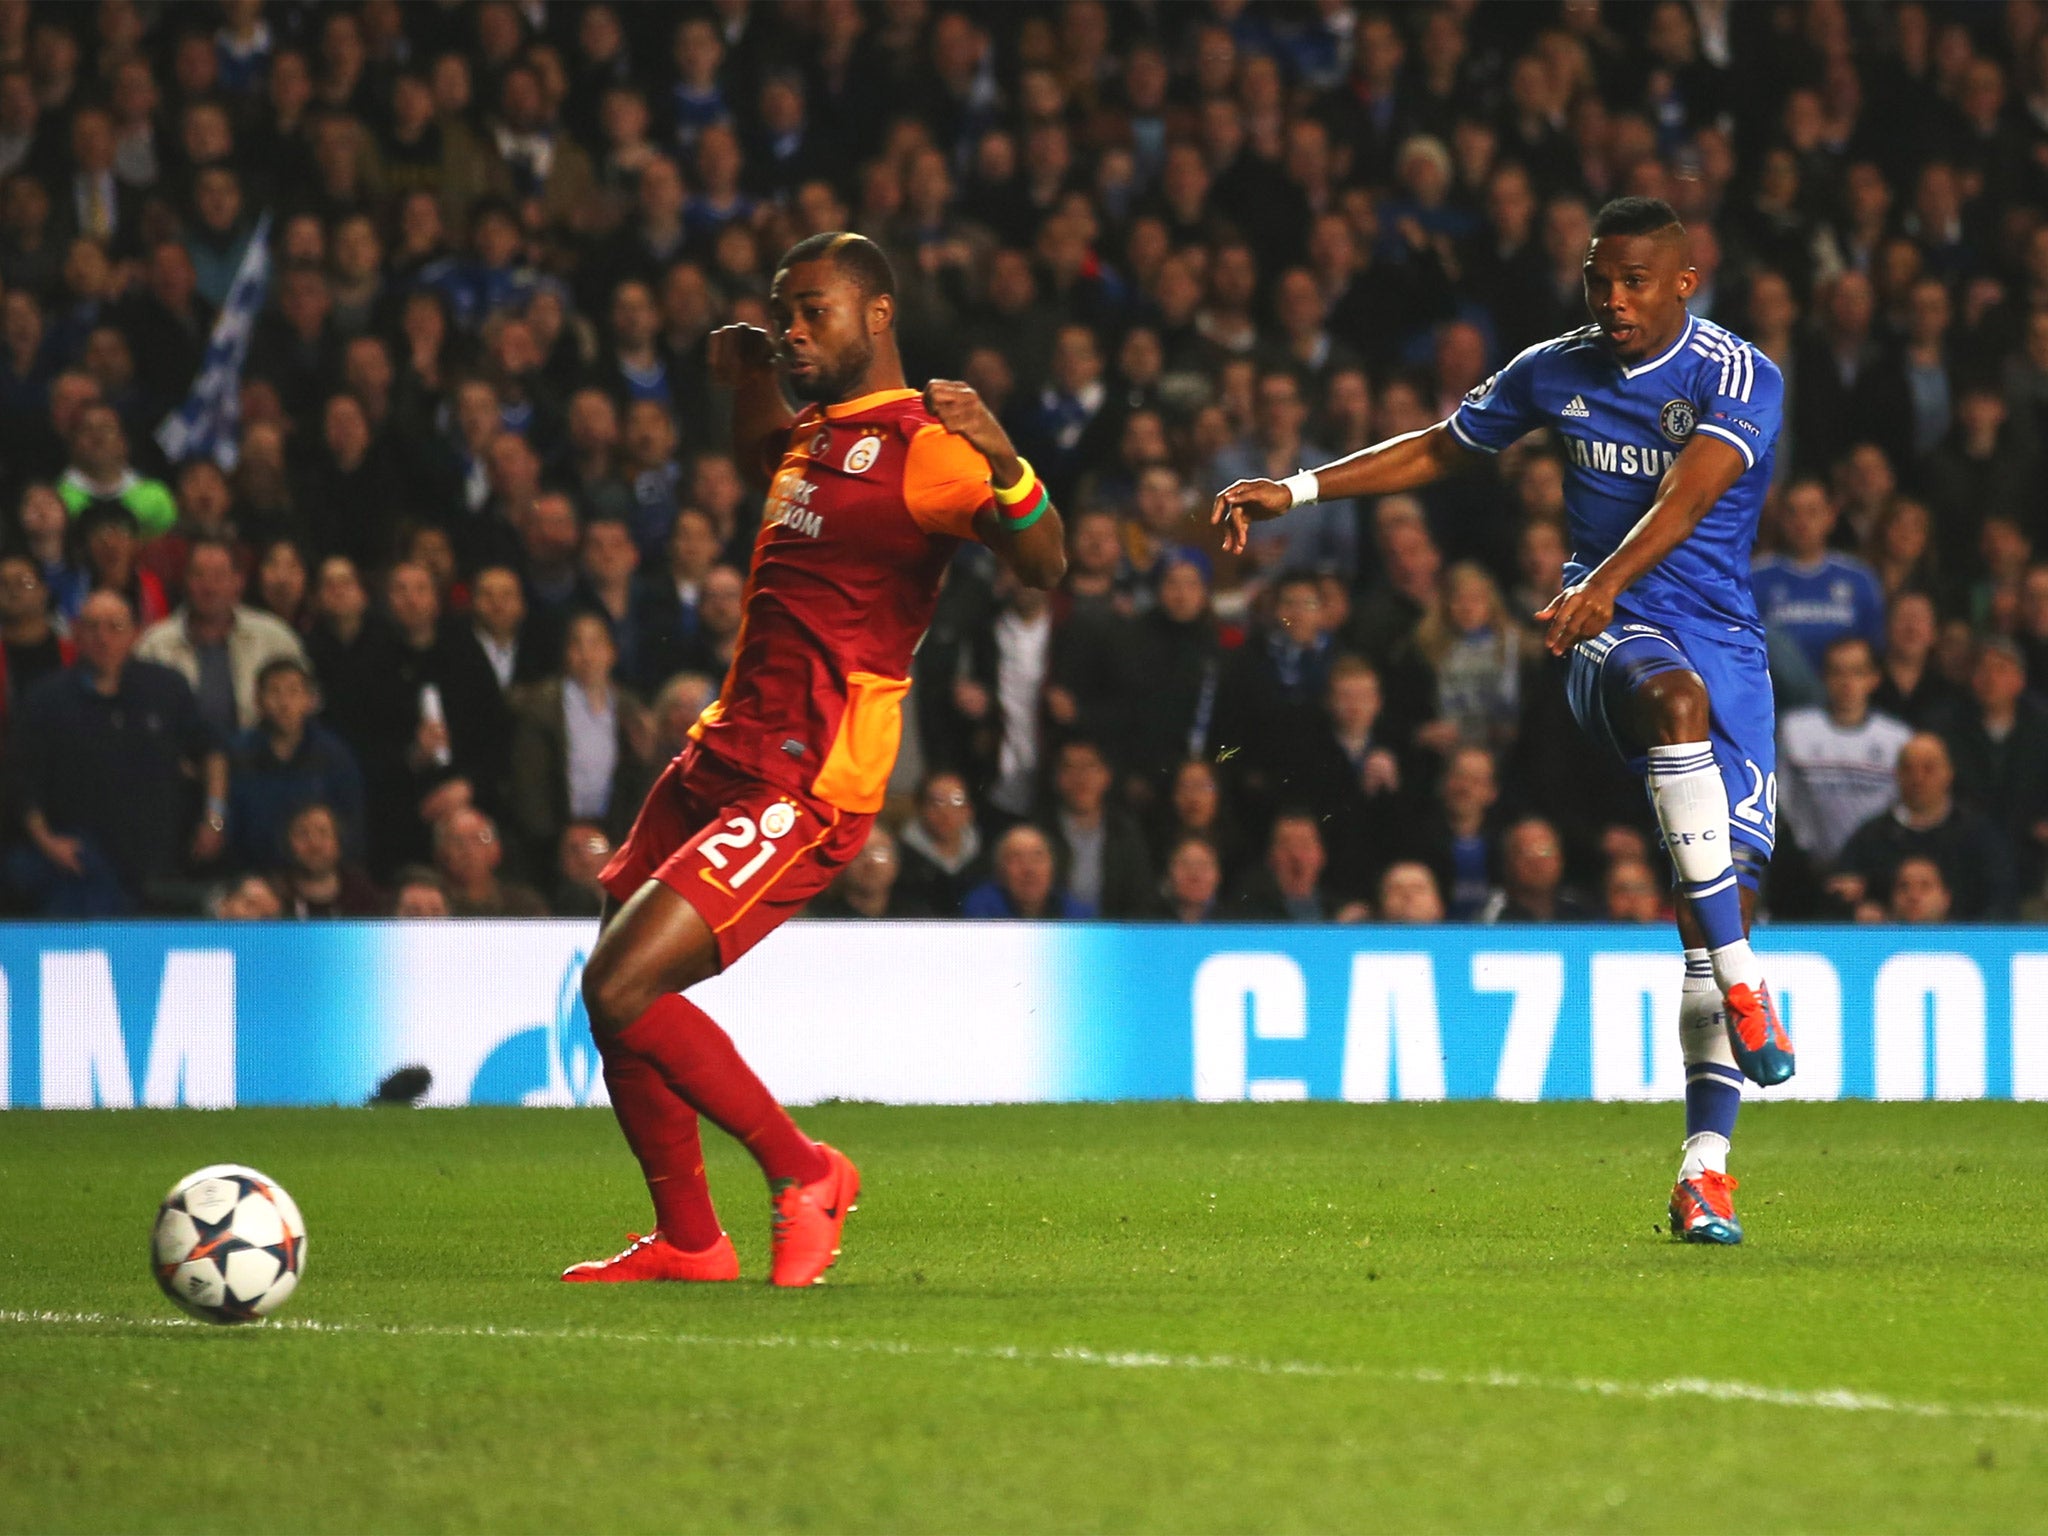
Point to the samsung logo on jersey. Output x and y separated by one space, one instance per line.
1620 458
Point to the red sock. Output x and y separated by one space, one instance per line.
696 1058
662 1131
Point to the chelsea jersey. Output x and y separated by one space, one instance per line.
1623 425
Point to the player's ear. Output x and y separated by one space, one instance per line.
1688 282
881 314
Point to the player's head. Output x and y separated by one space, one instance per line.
832 309
1638 276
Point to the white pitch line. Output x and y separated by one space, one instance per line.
1826 1399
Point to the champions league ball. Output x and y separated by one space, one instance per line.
229 1245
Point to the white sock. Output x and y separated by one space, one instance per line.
1692 810
1702 1022
1704 1153
1703 1041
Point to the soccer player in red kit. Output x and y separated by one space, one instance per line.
871 489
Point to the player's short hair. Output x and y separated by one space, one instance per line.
1635 216
855 255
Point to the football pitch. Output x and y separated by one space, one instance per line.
1131 1317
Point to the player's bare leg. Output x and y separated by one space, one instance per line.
655 947
687 1242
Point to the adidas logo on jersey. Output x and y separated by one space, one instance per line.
1576 406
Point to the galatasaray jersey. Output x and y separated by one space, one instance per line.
866 509
1622 428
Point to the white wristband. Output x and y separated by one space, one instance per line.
1302 486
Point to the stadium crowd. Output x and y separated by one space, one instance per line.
480 556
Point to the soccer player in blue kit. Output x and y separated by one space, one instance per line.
1668 424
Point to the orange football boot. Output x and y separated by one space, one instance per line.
654 1257
1703 1209
808 1219
1762 1048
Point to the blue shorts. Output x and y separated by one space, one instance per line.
1743 724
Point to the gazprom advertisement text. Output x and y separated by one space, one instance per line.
162 1014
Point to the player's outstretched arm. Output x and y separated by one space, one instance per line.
1028 535
742 359
1398 464
1704 472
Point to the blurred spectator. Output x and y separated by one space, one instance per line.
1194 806
30 647
1101 854
497 620
869 886
104 538
1975 862
1024 883
316 879
1290 889
1270 696
1999 745
467 853
1984 470
219 645
1173 650
1474 652
1901 551
1408 894
1837 766
581 748
1532 888
1322 536
419 892
1912 687
2033 627
1919 893
1458 841
940 851
252 898
682 699
287 760
99 474
1353 779
580 858
1809 592
284 584
1630 894
101 753
434 714
1193 882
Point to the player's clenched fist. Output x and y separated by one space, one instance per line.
736 351
962 412
1246 502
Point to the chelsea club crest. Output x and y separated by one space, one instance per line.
1677 420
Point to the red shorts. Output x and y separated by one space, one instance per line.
745 854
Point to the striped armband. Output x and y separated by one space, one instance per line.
1023 493
1018 523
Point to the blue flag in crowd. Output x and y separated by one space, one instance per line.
207 424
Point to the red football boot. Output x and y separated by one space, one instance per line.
654 1257
808 1218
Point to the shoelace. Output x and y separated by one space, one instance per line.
634 1243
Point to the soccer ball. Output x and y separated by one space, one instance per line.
229 1245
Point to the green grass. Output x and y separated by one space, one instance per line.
1894 1250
